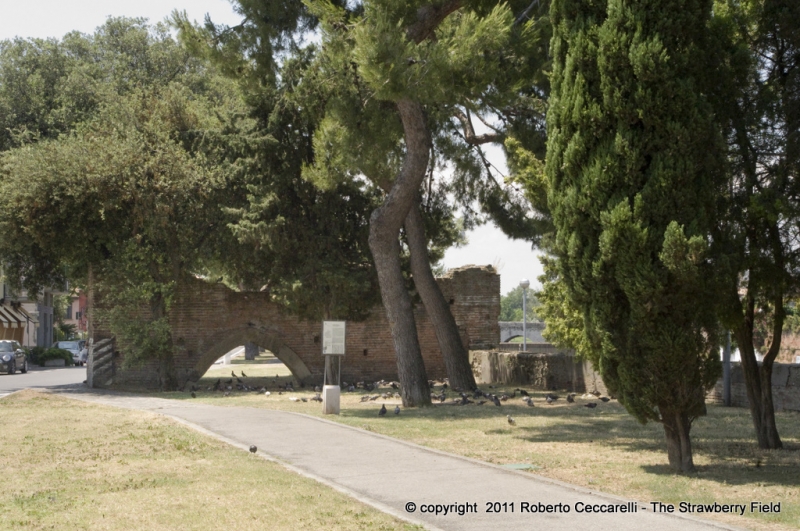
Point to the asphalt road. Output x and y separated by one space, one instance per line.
40 377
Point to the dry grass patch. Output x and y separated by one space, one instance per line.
602 448
71 465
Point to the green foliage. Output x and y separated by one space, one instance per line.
33 354
53 353
64 331
633 164
511 306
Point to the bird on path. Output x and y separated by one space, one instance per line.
239 380
550 399
482 402
604 398
244 375
496 401
233 374
523 392
253 449
552 396
396 410
382 412
591 405
511 420
571 398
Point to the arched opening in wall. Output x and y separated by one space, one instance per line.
274 366
263 369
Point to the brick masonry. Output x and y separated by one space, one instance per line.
208 320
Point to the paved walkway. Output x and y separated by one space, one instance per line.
391 475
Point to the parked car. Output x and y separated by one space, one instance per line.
79 353
12 357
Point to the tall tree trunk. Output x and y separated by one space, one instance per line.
384 233
456 357
250 351
679 446
758 379
166 361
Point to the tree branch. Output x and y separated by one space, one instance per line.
429 17
469 131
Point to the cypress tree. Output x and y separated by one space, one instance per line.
632 164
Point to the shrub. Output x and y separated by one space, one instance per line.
33 354
54 353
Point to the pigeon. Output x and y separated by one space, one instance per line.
394 385
523 392
550 399
530 403
604 398
304 399
227 393
317 398
229 381
396 410
511 420
244 375
194 395
482 402
496 401
239 380
571 398
382 412
267 393
552 396
233 374
317 389
217 384
591 405
253 449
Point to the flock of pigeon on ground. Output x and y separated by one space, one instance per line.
476 397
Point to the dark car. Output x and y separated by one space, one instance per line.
12 357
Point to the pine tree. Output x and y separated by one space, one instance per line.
633 162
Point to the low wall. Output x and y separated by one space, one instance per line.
785 387
553 369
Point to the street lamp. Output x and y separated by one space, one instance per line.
524 284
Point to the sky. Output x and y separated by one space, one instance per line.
486 245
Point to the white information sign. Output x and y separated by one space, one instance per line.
333 337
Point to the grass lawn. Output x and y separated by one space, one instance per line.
71 465
602 448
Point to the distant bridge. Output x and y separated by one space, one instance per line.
511 329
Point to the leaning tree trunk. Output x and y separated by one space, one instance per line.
758 379
456 357
679 446
384 233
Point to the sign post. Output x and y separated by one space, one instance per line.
333 347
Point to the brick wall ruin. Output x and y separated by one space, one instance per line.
208 320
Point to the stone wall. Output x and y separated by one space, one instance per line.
546 368
785 387
209 319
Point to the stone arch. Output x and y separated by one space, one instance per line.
232 338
